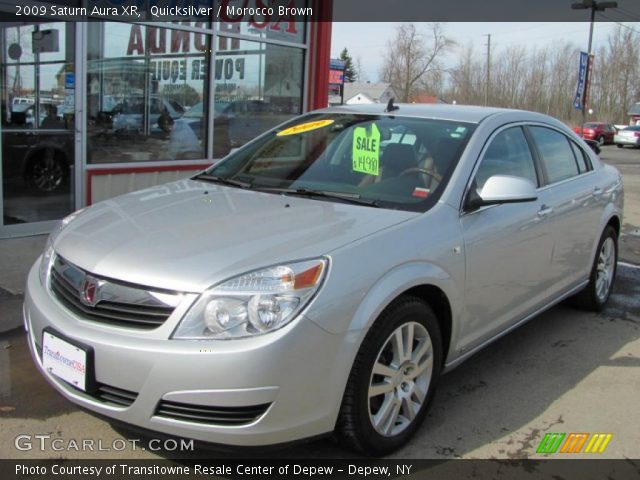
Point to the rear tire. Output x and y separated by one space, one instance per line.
595 295
392 379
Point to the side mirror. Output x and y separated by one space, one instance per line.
503 189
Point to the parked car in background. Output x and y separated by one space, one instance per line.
628 136
320 278
38 154
601 132
23 115
43 160
128 116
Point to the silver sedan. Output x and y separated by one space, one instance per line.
628 136
321 278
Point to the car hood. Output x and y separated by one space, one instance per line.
188 235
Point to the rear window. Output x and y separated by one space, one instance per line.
584 164
557 156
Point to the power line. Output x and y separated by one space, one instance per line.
629 13
619 23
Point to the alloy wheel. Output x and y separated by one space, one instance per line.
605 269
400 379
47 173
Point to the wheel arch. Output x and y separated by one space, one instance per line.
426 281
614 221
437 299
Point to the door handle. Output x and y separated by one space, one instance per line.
597 192
544 211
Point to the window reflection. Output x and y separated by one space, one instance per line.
142 80
37 87
258 86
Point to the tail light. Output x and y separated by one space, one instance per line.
636 134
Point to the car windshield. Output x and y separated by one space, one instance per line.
383 161
634 128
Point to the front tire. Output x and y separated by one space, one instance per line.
392 379
603 273
619 145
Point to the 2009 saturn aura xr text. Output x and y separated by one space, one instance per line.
323 276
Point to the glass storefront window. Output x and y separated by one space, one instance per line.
37 87
142 81
258 85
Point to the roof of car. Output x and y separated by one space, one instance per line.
461 113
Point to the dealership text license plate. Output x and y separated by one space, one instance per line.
64 360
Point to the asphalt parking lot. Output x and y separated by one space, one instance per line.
566 371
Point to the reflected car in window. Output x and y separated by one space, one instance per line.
323 276
37 157
129 115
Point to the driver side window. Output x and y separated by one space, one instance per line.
508 154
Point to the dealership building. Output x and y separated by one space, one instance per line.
94 109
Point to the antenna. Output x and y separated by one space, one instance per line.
391 107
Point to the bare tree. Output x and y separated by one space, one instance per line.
614 85
466 79
544 79
411 61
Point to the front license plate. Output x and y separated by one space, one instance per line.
64 360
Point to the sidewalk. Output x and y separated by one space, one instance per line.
16 257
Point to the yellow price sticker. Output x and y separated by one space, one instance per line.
304 127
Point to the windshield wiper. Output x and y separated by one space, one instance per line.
308 192
207 177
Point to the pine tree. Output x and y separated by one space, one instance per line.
349 70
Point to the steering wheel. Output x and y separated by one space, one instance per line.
422 171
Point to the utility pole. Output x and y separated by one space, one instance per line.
488 79
595 7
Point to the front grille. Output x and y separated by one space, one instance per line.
117 303
114 395
226 416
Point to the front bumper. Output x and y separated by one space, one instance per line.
295 372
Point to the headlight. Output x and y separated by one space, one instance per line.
254 303
47 255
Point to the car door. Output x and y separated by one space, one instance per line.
508 247
576 215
